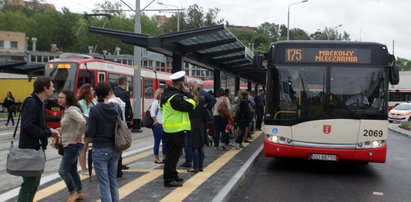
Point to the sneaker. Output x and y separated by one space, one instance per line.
238 146
186 164
84 173
248 141
223 147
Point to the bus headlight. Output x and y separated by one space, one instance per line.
370 144
278 139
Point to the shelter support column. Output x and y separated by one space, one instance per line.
217 80
249 85
236 85
177 63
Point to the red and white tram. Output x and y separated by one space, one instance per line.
71 71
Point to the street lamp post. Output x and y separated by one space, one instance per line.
288 17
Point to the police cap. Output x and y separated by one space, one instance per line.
178 76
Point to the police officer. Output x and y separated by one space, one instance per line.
175 104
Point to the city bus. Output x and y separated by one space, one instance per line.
70 71
309 86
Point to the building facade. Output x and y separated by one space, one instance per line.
13 42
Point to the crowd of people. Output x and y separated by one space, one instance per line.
185 118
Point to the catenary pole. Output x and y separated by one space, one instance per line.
137 75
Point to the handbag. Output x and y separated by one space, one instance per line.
147 120
24 162
222 109
56 144
122 135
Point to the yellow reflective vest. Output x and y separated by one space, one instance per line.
174 120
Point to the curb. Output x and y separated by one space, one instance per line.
226 191
399 131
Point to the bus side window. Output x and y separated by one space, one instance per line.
85 76
148 88
112 79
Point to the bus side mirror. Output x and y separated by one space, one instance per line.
258 61
394 75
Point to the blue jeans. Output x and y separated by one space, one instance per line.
219 130
105 162
158 137
68 167
198 158
187 149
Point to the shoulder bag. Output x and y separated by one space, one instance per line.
122 135
223 110
24 162
147 120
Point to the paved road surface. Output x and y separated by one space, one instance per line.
274 179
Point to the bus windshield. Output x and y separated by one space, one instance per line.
320 92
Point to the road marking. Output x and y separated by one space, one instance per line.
53 189
378 193
179 194
136 157
61 185
138 183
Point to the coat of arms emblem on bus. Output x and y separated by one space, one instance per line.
327 129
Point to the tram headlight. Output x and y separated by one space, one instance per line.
371 144
278 139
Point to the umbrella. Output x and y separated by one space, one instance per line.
90 162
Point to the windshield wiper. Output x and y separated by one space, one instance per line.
345 106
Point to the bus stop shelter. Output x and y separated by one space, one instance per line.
214 48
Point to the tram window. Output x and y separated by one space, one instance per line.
148 88
85 76
130 85
112 79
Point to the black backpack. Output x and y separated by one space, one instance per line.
147 120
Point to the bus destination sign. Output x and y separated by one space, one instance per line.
328 55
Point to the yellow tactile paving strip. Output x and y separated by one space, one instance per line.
178 194
194 182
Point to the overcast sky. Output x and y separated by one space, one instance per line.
365 20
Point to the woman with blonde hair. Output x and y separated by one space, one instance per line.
86 100
157 128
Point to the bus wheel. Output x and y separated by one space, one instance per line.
390 121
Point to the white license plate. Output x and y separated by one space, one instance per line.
323 157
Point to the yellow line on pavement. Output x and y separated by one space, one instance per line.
53 189
194 182
47 191
137 157
132 186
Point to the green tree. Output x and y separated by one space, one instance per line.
403 64
114 9
298 34
245 35
193 17
330 34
